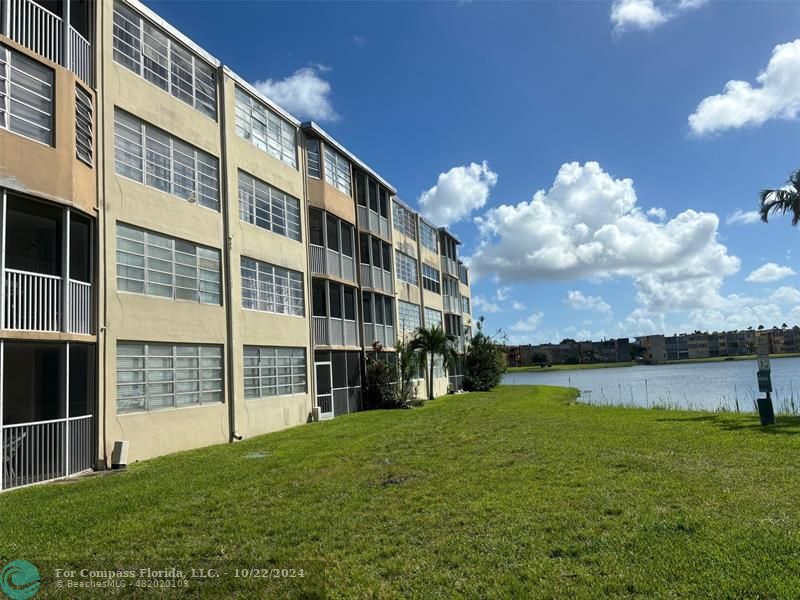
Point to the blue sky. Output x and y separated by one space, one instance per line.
589 102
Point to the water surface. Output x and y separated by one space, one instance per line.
694 386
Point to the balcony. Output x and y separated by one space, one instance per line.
449 267
47 428
45 274
330 331
30 24
369 220
377 279
328 262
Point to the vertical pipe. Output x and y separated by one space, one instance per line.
2 433
66 324
66 408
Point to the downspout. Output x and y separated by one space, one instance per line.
101 204
226 250
311 367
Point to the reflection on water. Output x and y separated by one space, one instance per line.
714 386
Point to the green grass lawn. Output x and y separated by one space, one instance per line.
518 493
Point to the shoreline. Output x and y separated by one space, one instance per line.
624 365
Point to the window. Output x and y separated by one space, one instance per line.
465 305
403 220
463 274
430 279
151 156
333 233
268 208
361 189
272 371
406 268
451 287
409 317
156 265
427 236
432 317
161 376
315 220
265 129
84 124
383 313
270 288
150 53
314 166
337 170
26 96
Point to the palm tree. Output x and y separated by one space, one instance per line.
432 341
783 200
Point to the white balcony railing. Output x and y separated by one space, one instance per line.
334 263
321 331
350 333
46 450
80 307
336 332
34 302
44 32
452 304
317 259
80 56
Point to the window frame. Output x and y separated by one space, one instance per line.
298 373
274 129
405 265
290 291
273 202
8 83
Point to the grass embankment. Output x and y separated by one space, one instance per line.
613 365
516 493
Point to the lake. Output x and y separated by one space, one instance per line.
693 386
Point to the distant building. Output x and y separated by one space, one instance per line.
654 346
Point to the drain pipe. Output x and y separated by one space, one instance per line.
226 251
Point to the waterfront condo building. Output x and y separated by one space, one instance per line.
184 263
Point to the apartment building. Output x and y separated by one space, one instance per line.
184 263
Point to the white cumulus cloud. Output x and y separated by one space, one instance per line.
648 14
529 323
485 305
786 295
769 272
742 217
578 301
776 95
588 225
305 93
458 193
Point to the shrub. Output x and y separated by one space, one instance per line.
484 363
379 392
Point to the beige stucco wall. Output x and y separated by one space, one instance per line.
327 197
256 328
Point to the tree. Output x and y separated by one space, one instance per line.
760 327
539 358
432 342
784 326
786 199
407 367
484 363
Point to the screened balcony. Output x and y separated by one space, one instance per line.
373 206
332 246
59 30
47 428
375 258
378 314
46 280
334 314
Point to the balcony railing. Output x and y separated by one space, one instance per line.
321 331
371 221
330 331
45 450
329 262
452 304
377 279
449 266
38 29
379 333
34 302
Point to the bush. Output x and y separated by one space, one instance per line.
484 363
379 392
